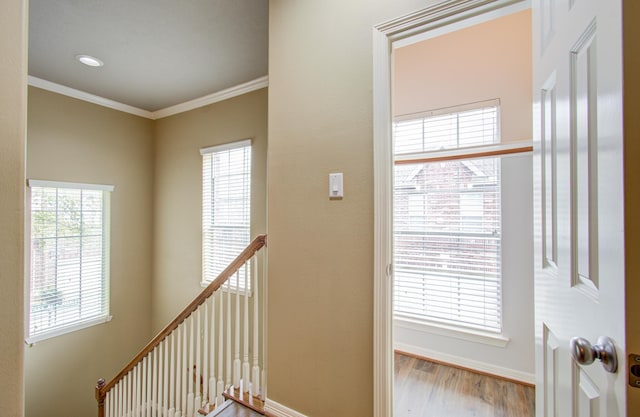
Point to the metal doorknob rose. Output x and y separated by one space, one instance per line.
585 354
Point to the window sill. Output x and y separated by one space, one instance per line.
470 335
31 341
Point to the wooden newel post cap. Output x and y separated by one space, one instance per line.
100 396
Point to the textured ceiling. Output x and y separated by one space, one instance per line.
157 53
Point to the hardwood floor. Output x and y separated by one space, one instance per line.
426 389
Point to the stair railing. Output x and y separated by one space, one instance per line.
188 366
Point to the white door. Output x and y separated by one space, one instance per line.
577 55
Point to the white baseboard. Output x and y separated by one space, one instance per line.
278 410
484 367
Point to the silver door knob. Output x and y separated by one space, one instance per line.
585 354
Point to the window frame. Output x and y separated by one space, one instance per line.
105 315
237 280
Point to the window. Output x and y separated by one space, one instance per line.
226 207
447 220
69 264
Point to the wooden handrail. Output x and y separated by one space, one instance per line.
245 255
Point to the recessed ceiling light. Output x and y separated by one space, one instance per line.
89 60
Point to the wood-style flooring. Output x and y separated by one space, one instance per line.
427 389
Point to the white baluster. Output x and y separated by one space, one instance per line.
172 375
220 387
138 395
185 366
109 404
143 387
149 385
139 388
178 373
154 389
245 355
197 401
205 357
120 410
263 394
127 396
190 394
160 349
165 392
255 371
228 351
107 407
134 391
236 348
212 353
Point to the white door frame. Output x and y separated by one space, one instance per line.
386 36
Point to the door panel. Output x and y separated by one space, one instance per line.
578 203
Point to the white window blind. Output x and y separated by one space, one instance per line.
226 207
69 265
447 225
447 129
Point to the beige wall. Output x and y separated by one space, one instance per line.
320 273
13 103
178 192
71 140
486 61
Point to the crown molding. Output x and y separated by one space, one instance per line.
91 98
235 91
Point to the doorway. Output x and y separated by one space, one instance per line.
404 329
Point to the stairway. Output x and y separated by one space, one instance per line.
233 409
195 362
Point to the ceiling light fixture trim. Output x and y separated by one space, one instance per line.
89 60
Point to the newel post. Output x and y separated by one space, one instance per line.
100 396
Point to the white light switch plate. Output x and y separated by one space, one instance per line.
336 189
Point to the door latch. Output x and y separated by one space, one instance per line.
634 370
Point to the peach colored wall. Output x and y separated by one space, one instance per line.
486 61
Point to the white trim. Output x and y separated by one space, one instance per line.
383 209
226 146
226 94
235 91
75 185
470 150
472 21
385 36
526 377
279 410
471 335
91 98
32 340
